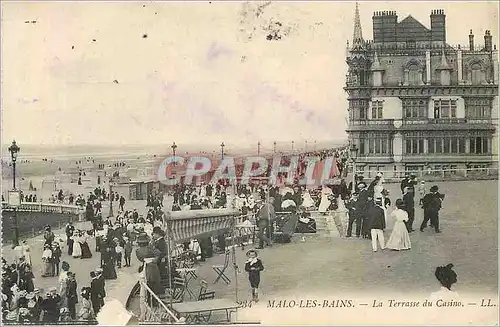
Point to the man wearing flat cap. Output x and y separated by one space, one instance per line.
432 204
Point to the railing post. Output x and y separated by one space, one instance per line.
142 299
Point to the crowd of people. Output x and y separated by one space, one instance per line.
116 237
24 303
368 206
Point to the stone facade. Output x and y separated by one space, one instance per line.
418 103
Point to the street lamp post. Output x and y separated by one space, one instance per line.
222 150
274 146
353 151
306 147
174 146
14 150
258 148
292 145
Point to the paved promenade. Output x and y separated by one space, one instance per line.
338 266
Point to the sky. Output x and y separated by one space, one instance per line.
194 72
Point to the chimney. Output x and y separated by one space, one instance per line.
438 25
471 41
488 41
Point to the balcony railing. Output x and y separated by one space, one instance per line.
479 120
372 122
419 121
447 120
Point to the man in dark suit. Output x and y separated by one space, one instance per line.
405 182
102 284
71 294
266 217
432 204
353 215
361 209
408 199
70 229
95 292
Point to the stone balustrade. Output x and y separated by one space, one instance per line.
45 208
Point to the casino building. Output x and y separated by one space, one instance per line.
418 103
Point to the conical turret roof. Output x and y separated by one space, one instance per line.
444 63
376 66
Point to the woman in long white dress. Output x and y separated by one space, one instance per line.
399 239
77 249
325 201
307 201
26 252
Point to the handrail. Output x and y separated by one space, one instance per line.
170 313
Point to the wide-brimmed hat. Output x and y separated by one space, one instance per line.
252 251
98 270
361 184
435 188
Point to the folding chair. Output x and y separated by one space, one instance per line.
221 269
176 293
204 294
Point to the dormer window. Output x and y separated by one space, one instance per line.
413 70
476 74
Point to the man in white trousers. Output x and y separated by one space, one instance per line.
377 224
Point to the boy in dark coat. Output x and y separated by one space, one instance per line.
254 266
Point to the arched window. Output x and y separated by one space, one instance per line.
414 74
476 74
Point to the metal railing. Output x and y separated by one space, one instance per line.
153 309
45 207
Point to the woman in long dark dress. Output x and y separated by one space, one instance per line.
108 264
86 254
